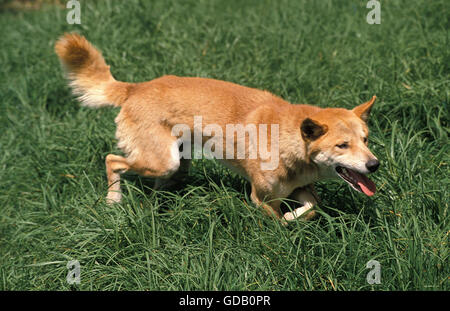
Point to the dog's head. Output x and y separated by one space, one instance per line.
336 140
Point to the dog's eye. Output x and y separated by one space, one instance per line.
342 146
365 140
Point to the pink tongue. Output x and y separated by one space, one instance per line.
367 186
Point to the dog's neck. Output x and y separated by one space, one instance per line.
300 169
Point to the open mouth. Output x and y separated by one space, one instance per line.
357 180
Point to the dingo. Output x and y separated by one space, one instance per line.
311 143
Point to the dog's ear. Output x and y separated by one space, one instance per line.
311 130
363 110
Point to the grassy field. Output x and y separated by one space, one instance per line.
206 234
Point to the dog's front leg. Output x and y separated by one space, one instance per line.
271 208
308 198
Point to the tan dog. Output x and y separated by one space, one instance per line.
311 143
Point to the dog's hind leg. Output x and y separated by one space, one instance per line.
115 165
162 163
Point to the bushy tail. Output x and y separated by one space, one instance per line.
89 76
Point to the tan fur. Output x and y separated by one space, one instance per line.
149 110
90 76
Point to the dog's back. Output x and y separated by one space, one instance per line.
177 98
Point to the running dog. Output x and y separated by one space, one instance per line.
313 143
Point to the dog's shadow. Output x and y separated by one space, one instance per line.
201 174
335 198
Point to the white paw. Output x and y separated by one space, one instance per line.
289 216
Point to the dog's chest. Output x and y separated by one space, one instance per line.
283 186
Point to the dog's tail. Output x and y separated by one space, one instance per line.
88 73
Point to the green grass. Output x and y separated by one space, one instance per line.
207 235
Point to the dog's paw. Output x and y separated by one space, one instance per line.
303 211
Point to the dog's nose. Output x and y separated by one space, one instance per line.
372 165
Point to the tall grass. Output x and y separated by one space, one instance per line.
206 234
